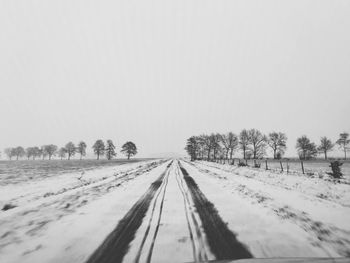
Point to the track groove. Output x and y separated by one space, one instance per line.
137 259
223 243
116 245
201 254
158 221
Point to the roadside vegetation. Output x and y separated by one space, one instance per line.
47 152
253 145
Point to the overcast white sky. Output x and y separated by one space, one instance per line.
157 72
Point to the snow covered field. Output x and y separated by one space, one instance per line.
13 172
173 211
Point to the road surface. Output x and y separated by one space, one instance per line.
175 211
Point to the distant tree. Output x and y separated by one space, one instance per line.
244 142
201 147
19 152
99 148
325 146
29 152
42 152
230 143
36 152
258 143
110 150
71 149
62 152
278 142
50 150
81 149
192 147
206 142
9 152
344 142
215 140
129 149
306 148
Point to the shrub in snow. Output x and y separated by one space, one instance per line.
336 170
242 164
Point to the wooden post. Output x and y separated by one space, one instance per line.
281 166
266 165
246 162
287 166
302 166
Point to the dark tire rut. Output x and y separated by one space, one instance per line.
223 243
116 245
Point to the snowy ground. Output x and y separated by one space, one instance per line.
173 211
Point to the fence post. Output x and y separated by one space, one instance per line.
246 162
287 165
266 164
302 166
281 166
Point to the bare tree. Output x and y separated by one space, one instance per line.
110 150
43 152
82 149
129 149
71 149
36 152
230 143
325 146
244 142
62 152
29 152
206 142
192 147
201 147
224 141
258 142
99 148
306 148
50 150
19 152
278 142
9 152
343 142
215 140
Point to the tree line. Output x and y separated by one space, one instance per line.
253 145
100 148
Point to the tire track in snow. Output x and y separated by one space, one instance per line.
223 243
320 232
116 245
58 205
161 190
199 241
158 221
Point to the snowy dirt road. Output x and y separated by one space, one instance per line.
176 211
